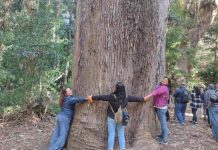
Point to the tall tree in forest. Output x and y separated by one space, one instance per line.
209 73
202 13
117 41
189 20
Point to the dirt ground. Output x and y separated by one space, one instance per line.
32 133
190 137
29 133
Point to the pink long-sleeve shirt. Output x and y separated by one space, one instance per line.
161 96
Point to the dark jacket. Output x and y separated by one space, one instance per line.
207 95
69 105
116 103
178 94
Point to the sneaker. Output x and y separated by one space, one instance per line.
158 136
163 142
194 122
182 124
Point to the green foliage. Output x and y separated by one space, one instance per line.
33 54
177 43
210 74
176 36
55 108
31 50
178 16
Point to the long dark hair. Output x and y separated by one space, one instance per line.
63 93
169 85
120 90
120 93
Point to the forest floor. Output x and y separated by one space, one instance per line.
190 136
32 133
26 133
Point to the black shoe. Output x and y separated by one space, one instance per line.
159 138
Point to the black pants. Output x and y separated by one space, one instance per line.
194 112
208 117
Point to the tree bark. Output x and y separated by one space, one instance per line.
58 7
117 40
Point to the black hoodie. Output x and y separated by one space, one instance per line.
117 99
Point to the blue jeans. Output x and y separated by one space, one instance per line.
208 117
112 126
60 133
180 112
214 121
161 113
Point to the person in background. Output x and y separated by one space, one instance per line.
181 99
214 96
196 103
169 104
202 110
202 92
213 109
116 100
64 118
161 97
206 100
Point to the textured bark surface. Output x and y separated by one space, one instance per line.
117 40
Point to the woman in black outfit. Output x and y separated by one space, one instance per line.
116 99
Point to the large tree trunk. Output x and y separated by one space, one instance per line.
117 40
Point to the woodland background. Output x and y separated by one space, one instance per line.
37 51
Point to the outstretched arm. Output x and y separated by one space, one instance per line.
77 99
104 97
135 99
146 98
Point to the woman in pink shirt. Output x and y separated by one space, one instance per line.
161 97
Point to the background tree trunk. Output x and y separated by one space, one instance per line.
203 13
117 40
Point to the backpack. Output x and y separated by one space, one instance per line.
118 116
184 96
214 97
121 116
